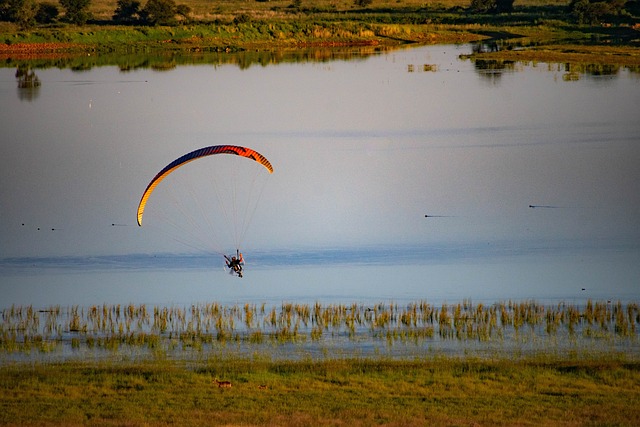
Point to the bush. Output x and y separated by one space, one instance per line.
504 6
491 6
25 15
127 11
633 7
183 10
47 13
4 10
592 12
76 11
597 11
243 18
363 3
159 12
22 12
482 6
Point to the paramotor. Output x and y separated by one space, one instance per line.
208 205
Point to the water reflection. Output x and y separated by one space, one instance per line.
485 47
424 68
165 60
28 83
493 68
169 59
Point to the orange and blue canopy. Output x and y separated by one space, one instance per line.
194 155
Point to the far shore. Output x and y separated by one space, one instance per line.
536 31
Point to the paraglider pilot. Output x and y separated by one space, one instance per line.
235 263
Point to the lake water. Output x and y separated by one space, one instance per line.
399 176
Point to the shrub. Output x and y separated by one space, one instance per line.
183 10
585 12
47 13
159 12
22 12
243 18
633 7
26 14
127 11
595 11
504 6
491 6
5 7
363 3
482 6
76 11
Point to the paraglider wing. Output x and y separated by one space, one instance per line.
196 154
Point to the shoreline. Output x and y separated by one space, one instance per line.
570 54
532 30
190 42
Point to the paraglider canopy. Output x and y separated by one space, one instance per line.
196 154
208 205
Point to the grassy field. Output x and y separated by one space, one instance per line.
438 391
280 24
208 10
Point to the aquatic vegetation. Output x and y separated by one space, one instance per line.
504 325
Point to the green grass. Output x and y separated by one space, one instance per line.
276 24
438 391
211 10
246 36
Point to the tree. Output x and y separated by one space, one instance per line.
594 11
26 13
633 7
363 3
183 10
243 18
76 11
4 10
504 6
492 6
159 12
22 12
127 11
47 13
482 6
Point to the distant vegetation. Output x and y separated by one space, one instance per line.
31 29
32 13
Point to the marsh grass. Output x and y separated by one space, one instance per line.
509 325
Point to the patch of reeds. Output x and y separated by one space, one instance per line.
25 328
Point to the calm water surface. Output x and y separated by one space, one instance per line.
362 149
